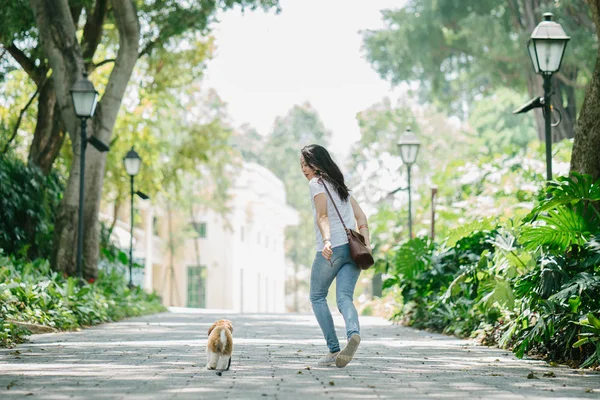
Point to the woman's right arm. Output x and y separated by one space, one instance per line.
361 221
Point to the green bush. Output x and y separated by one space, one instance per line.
533 285
31 292
28 202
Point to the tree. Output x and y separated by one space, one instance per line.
17 117
376 165
301 126
376 162
493 122
249 143
58 37
586 147
459 51
57 22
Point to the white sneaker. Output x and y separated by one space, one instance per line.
347 352
328 359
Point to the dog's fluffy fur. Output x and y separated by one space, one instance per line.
220 345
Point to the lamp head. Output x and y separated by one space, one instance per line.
132 162
84 97
547 46
408 147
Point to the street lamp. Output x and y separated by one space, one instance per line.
546 49
132 163
408 147
85 98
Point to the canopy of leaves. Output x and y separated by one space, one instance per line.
460 50
280 152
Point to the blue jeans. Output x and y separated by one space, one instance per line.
322 274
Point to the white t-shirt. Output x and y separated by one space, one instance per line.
336 229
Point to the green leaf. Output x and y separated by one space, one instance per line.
123 258
559 229
574 303
595 321
568 190
580 342
412 257
391 282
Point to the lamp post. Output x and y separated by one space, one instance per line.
546 50
408 146
132 163
85 98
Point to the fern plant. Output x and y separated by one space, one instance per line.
567 218
591 337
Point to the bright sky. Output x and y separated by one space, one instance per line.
267 63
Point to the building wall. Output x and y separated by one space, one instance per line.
244 250
242 253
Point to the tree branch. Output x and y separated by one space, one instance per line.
60 45
563 78
581 17
149 46
35 73
92 32
515 15
93 67
16 128
76 13
129 35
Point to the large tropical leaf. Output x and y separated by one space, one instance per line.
481 225
412 257
560 228
582 282
593 259
502 294
565 190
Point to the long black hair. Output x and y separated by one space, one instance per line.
318 158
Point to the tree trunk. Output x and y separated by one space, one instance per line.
59 42
49 134
564 103
586 147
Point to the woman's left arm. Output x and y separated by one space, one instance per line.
361 221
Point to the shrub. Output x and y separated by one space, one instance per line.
31 292
530 285
28 202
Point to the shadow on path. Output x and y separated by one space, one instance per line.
163 357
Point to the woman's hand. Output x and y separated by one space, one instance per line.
327 250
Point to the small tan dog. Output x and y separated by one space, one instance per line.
219 346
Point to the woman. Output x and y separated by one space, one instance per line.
333 253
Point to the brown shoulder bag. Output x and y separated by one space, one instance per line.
358 248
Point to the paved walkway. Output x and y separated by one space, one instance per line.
162 357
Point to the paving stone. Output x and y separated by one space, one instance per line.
163 357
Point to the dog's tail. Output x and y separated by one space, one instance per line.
221 346
223 338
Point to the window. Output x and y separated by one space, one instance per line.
199 228
196 286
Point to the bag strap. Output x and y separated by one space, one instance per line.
336 209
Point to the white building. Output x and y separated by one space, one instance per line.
235 262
